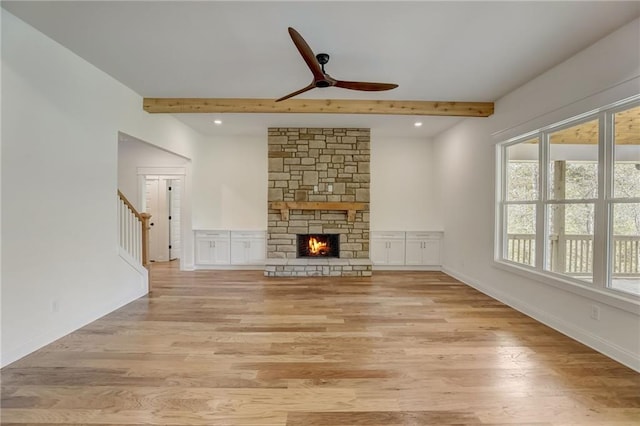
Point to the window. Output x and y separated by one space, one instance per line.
624 204
569 200
521 195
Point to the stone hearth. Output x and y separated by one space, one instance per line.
309 167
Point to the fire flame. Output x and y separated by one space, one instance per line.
316 247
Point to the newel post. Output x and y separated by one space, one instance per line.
144 217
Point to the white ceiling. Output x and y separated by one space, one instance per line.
464 51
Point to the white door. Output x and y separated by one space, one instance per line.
174 199
158 207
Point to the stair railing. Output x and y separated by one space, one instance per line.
133 231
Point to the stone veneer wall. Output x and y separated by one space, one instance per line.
299 160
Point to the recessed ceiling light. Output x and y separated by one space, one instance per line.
417 123
217 122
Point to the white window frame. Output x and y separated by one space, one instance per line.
599 288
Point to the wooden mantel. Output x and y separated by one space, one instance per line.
285 206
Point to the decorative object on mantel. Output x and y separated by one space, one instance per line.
285 206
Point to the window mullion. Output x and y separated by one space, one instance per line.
541 215
601 253
500 241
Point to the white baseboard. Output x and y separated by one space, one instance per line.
54 330
406 268
228 267
261 267
124 255
586 337
51 333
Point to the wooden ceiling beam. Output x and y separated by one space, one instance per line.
316 106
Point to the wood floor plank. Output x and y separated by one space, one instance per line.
386 418
236 348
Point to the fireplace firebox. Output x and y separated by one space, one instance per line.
318 245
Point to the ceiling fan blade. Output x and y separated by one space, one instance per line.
291 95
361 85
307 54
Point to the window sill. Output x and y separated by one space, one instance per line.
624 301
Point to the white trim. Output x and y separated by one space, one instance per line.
586 337
124 255
622 92
598 294
171 171
229 267
602 259
435 268
186 234
54 330
406 268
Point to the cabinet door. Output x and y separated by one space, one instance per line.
256 252
431 252
239 252
204 251
414 252
395 252
221 252
378 251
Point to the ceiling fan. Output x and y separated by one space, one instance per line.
316 64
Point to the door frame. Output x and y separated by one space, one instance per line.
181 173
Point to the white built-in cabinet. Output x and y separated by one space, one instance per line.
387 248
423 248
406 249
393 249
225 248
248 247
212 247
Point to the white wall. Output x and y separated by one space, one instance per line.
465 165
402 186
61 118
230 184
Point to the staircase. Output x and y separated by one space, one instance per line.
133 233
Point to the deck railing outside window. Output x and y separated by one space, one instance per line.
578 253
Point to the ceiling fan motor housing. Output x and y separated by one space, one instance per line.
322 58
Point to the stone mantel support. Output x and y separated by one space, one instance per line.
285 206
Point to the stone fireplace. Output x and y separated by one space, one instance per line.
319 184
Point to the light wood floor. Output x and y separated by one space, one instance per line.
235 348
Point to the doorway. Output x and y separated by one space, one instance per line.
162 199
